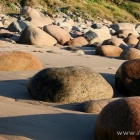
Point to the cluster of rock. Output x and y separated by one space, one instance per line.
80 84
115 40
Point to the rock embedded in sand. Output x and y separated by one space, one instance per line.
109 50
93 106
68 85
61 35
33 35
119 117
130 54
18 61
127 78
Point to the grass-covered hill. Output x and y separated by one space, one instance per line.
114 10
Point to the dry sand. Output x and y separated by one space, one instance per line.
22 118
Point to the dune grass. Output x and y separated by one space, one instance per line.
113 10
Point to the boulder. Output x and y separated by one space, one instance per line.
68 85
97 33
18 61
127 78
33 35
40 21
18 26
130 54
29 12
61 35
119 120
93 106
109 50
79 41
131 40
116 42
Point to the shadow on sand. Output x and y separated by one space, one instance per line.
65 126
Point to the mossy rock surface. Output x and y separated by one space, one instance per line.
68 85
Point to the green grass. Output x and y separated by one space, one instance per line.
113 10
132 7
11 5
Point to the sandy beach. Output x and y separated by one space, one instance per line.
22 118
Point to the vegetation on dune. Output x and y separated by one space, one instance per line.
114 10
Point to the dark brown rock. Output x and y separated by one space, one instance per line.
122 115
127 78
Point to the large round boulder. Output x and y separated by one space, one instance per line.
119 120
131 39
18 61
130 54
33 35
108 50
61 35
68 85
127 78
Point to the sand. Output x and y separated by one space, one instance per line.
22 118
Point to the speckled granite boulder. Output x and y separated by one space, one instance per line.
69 84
